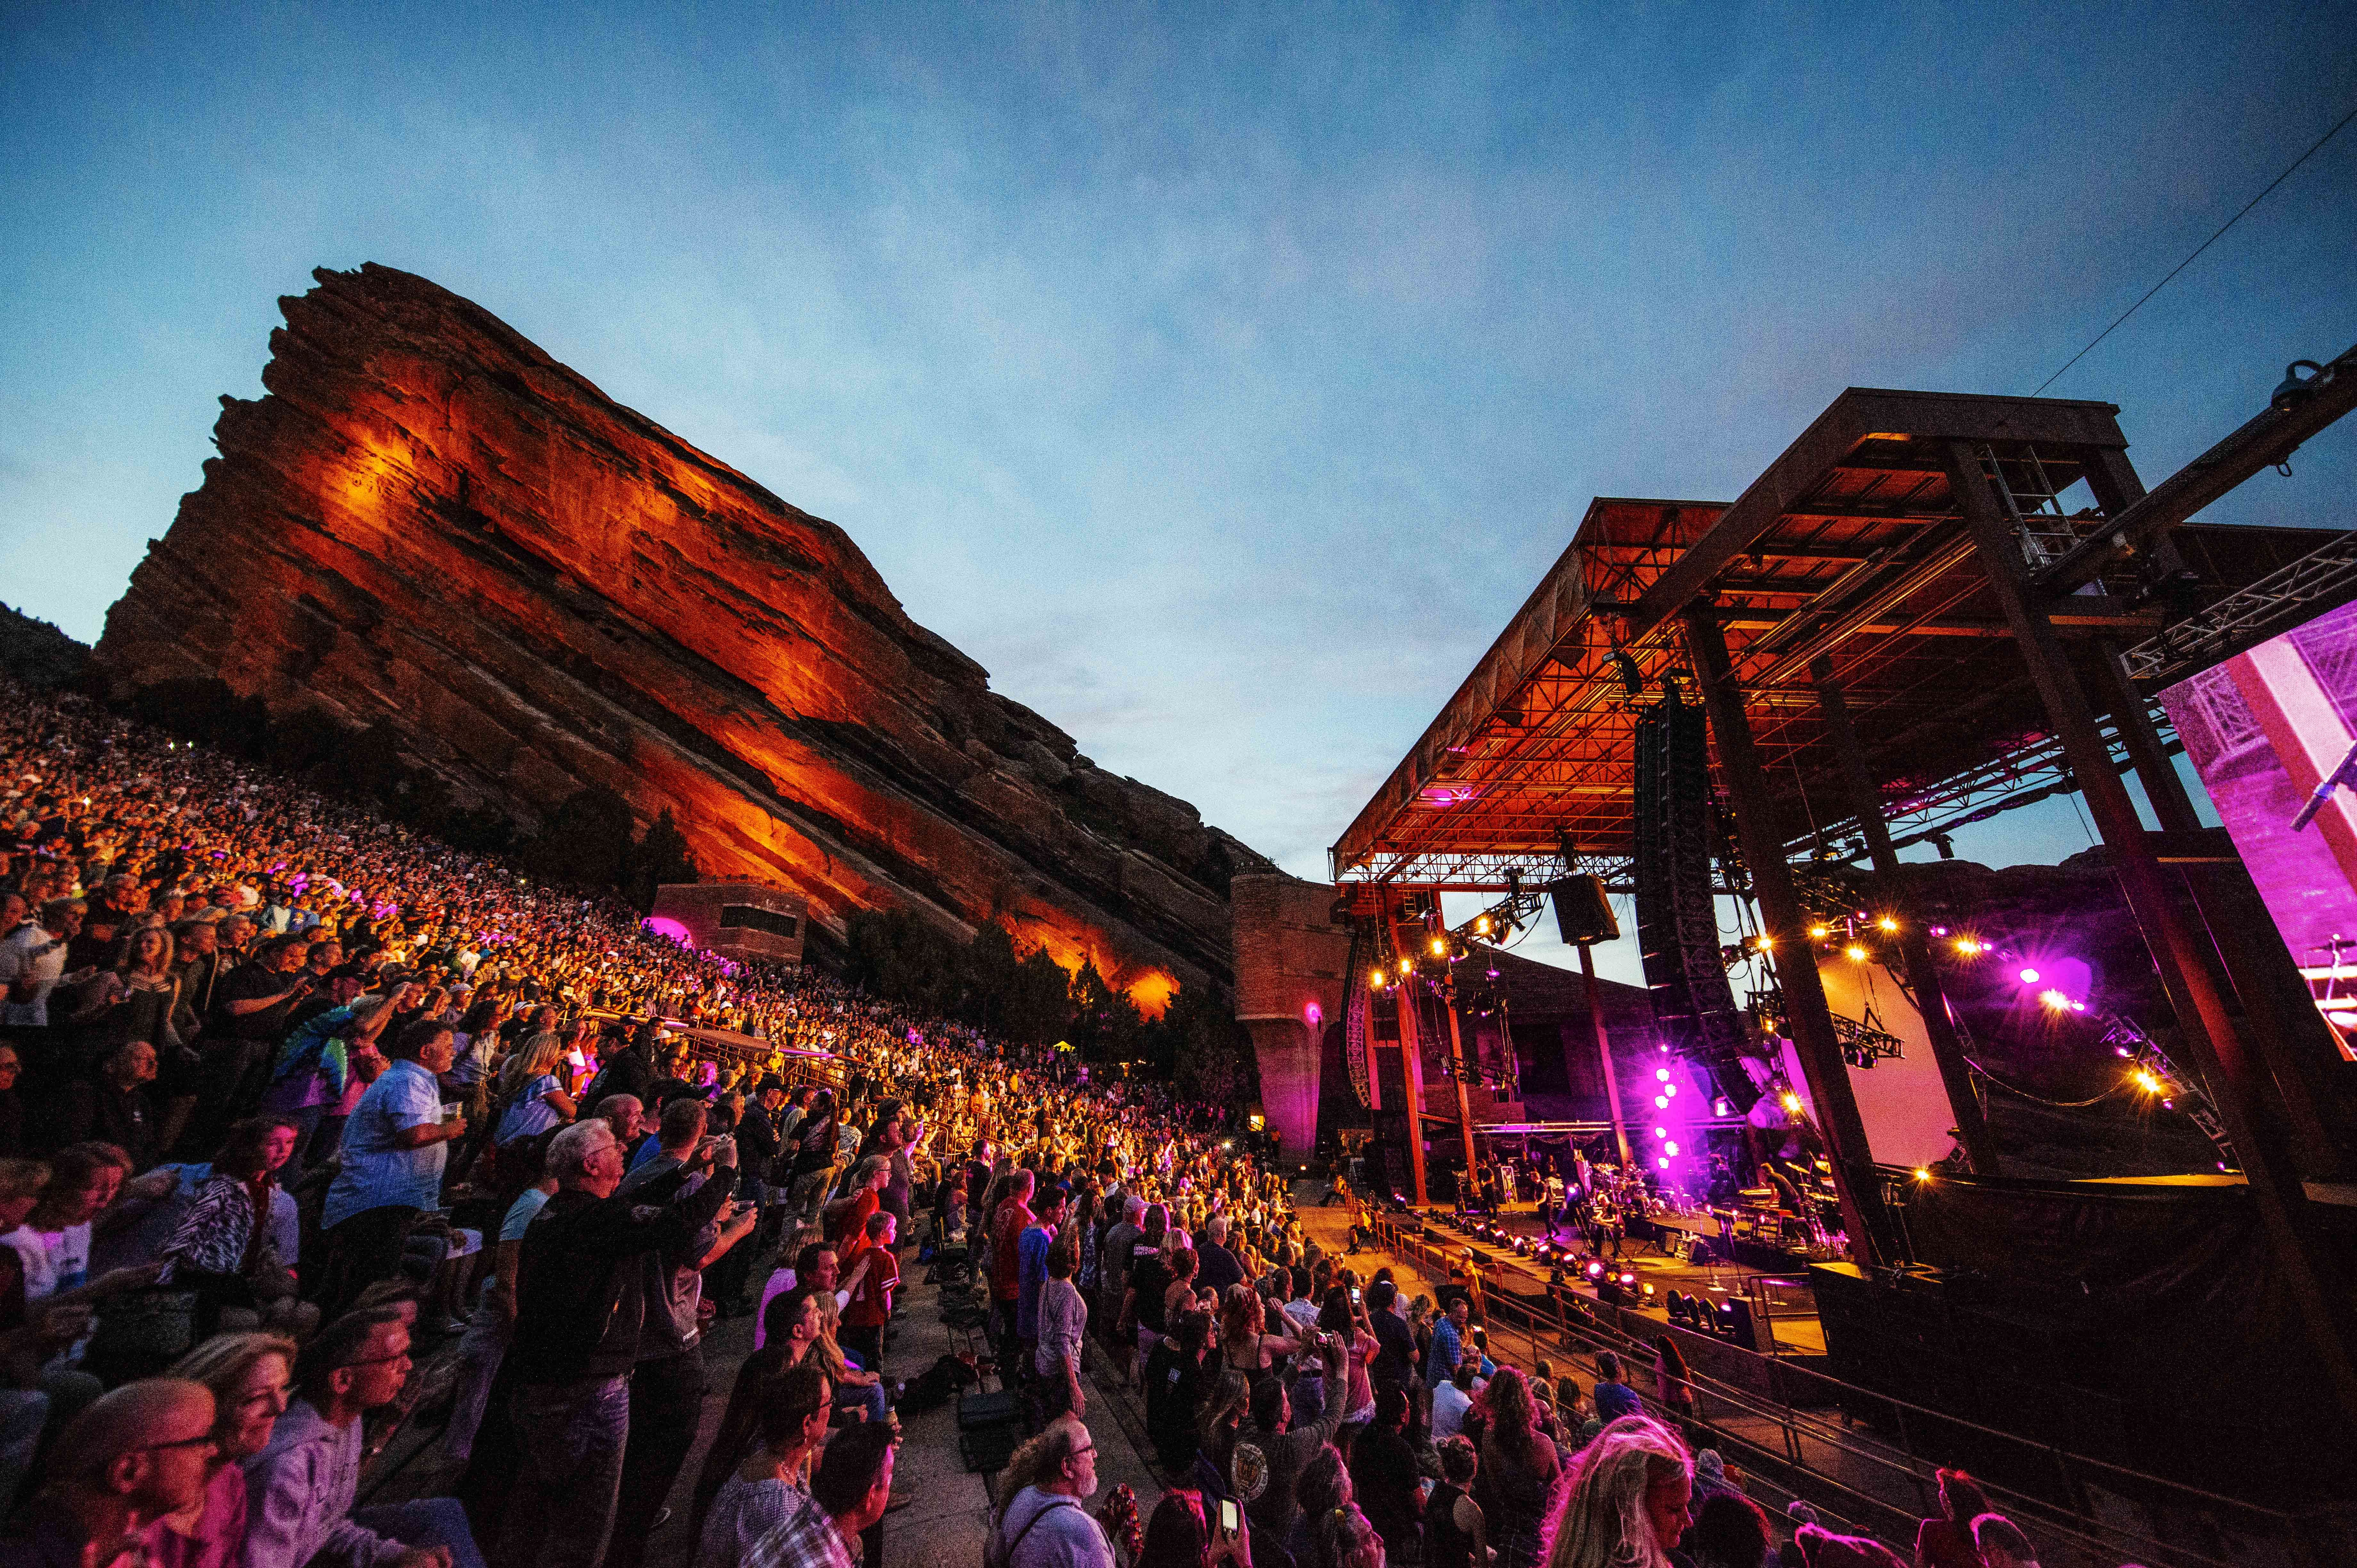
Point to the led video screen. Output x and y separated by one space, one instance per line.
2273 733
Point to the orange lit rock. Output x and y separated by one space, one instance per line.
430 523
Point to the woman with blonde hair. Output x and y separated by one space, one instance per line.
534 1097
252 1377
1625 1504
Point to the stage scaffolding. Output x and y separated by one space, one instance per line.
1930 608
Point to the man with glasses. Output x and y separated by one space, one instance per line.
299 1488
1044 1525
134 1455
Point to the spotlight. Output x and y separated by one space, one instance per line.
1665 1162
1375 978
2055 1001
1407 967
1661 1102
2146 1081
1857 954
1669 1148
1669 1089
2029 977
1481 924
1662 1073
1887 923
1969 948
1722 1107
1439 948
1647 1288
1792 1102
1628 1279
1763 942
1821 933
1923 1174
1596 1271
1661 1131
2296 388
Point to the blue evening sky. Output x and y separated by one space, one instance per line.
1221 379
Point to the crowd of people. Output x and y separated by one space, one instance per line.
288 1094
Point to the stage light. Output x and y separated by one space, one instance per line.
1923 1174
1661 1102
1820 932
1662 1073
1375 978
1763 942
2055 1000
1887 923
1792 1102
1647 1287
1407 967
1722 1107
1481 924
1857 954
1661 1131
1596 1271
2029 977
1669 1148
1628 1279
1670 1088
2146 1081
1439 948
1939 930
1969 948
1665 1162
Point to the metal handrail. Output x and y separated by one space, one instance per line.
1795 1423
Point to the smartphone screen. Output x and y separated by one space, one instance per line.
1354 1293
1230 1521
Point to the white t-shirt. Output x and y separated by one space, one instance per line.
54 1261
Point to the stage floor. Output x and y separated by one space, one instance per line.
1793 1329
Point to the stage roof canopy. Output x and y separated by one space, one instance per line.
1848 548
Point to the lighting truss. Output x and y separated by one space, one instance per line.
2321 580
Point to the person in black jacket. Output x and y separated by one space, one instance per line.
581 1308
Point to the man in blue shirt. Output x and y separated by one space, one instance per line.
1031 1248
395 1146
1614 1399
1447 1343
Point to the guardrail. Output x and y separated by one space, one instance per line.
2106 1514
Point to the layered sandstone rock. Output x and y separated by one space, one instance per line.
430 523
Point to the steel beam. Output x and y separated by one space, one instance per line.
1807 1014
2210 1031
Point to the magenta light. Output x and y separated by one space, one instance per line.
1313 1014
665 926
2029 977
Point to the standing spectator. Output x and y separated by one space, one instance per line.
581 1309
874 1274
1270 1454
1455 1533
1041 1524
814 1142
250 1018
1061 1324
1215 1267
848 1493
33 960
12 1106
667 1383
1031 1248
1947 1542
1008 1222
1384 1474
113 1107
1447 1343
1729 1532
1518 1467
300 1486
1625 1501
134 1456
395 1146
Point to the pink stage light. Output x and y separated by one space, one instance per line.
665 926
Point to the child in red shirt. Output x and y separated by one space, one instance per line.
874 1270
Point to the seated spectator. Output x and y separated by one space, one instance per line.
301 1484
760 1492
1041 1523
53 1244
1947 1542
250 1377
226 1248
135 1456
113 1105
849 1491
2001 1542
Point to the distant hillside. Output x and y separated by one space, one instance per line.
38 654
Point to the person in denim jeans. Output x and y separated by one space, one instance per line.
581 1308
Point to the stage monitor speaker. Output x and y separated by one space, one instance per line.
1583 913
1735 1323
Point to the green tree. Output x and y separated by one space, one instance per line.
1209 1055
585 842
659 856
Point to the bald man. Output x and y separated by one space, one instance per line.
134 1455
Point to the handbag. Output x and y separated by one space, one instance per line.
154 1326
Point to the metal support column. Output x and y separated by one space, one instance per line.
2210 1030
1604 1055
1411 1070
1807 1012
1922 978
1465 1182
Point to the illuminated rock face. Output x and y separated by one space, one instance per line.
430 523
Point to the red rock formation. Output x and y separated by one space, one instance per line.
430 523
